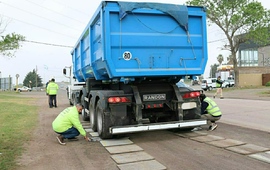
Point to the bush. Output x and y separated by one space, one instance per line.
267 84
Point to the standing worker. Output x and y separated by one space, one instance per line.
52 89
46 91
67 124
210 111
219 83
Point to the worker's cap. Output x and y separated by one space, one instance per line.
202 96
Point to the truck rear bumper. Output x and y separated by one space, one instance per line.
156 126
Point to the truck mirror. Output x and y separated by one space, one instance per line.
64 71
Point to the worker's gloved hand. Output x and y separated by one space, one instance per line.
87 139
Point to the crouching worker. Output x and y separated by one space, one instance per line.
210 111
67 124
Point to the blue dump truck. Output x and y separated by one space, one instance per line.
128 60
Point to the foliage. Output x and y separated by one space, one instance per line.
213 70
247 18
16 124
220 59
31 78
267 84
10 43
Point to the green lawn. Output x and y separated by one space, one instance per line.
18 118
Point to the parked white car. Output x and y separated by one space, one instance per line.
208 84
24 89
228 83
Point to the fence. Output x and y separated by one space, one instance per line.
6 84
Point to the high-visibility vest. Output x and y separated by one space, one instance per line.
218 85
212 108
52 88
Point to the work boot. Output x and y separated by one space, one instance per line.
196 129
60 139
214 126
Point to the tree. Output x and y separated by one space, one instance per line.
213 70
229 60
241 21
30 79
9 43
220 59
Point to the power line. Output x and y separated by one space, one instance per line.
54 11
68 26
49 44
71 8
40 27
217 40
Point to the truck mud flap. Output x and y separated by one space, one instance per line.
156 126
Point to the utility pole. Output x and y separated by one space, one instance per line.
36 77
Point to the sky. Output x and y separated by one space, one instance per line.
52 27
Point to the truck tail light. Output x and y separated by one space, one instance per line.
191 95
118 100
154 106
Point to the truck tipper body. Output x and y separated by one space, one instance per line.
128 60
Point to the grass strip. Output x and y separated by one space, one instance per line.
18 118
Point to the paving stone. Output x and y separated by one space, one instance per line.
94 134
131 157
95 139
247 149
207 138
226 143
86 127
265 156
115 142
143 165
89 130
191 134
123 149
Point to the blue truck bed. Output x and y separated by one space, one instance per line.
126 40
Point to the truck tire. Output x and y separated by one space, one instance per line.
92 115
103 122
70 103
85 117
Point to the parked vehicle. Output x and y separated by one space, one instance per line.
194 82
128 70
23 89
228 83
208 84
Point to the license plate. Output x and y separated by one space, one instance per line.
154 97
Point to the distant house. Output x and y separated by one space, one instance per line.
253 64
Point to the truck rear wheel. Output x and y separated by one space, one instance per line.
93 117
85 117
103 122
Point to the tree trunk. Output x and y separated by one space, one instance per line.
236 69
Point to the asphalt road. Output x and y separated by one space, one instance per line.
242 120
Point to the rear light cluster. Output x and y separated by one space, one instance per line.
118 100
151 106
191 95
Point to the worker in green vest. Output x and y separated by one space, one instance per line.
210 111
219 87
52 90
67 124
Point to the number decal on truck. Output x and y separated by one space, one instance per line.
127 55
